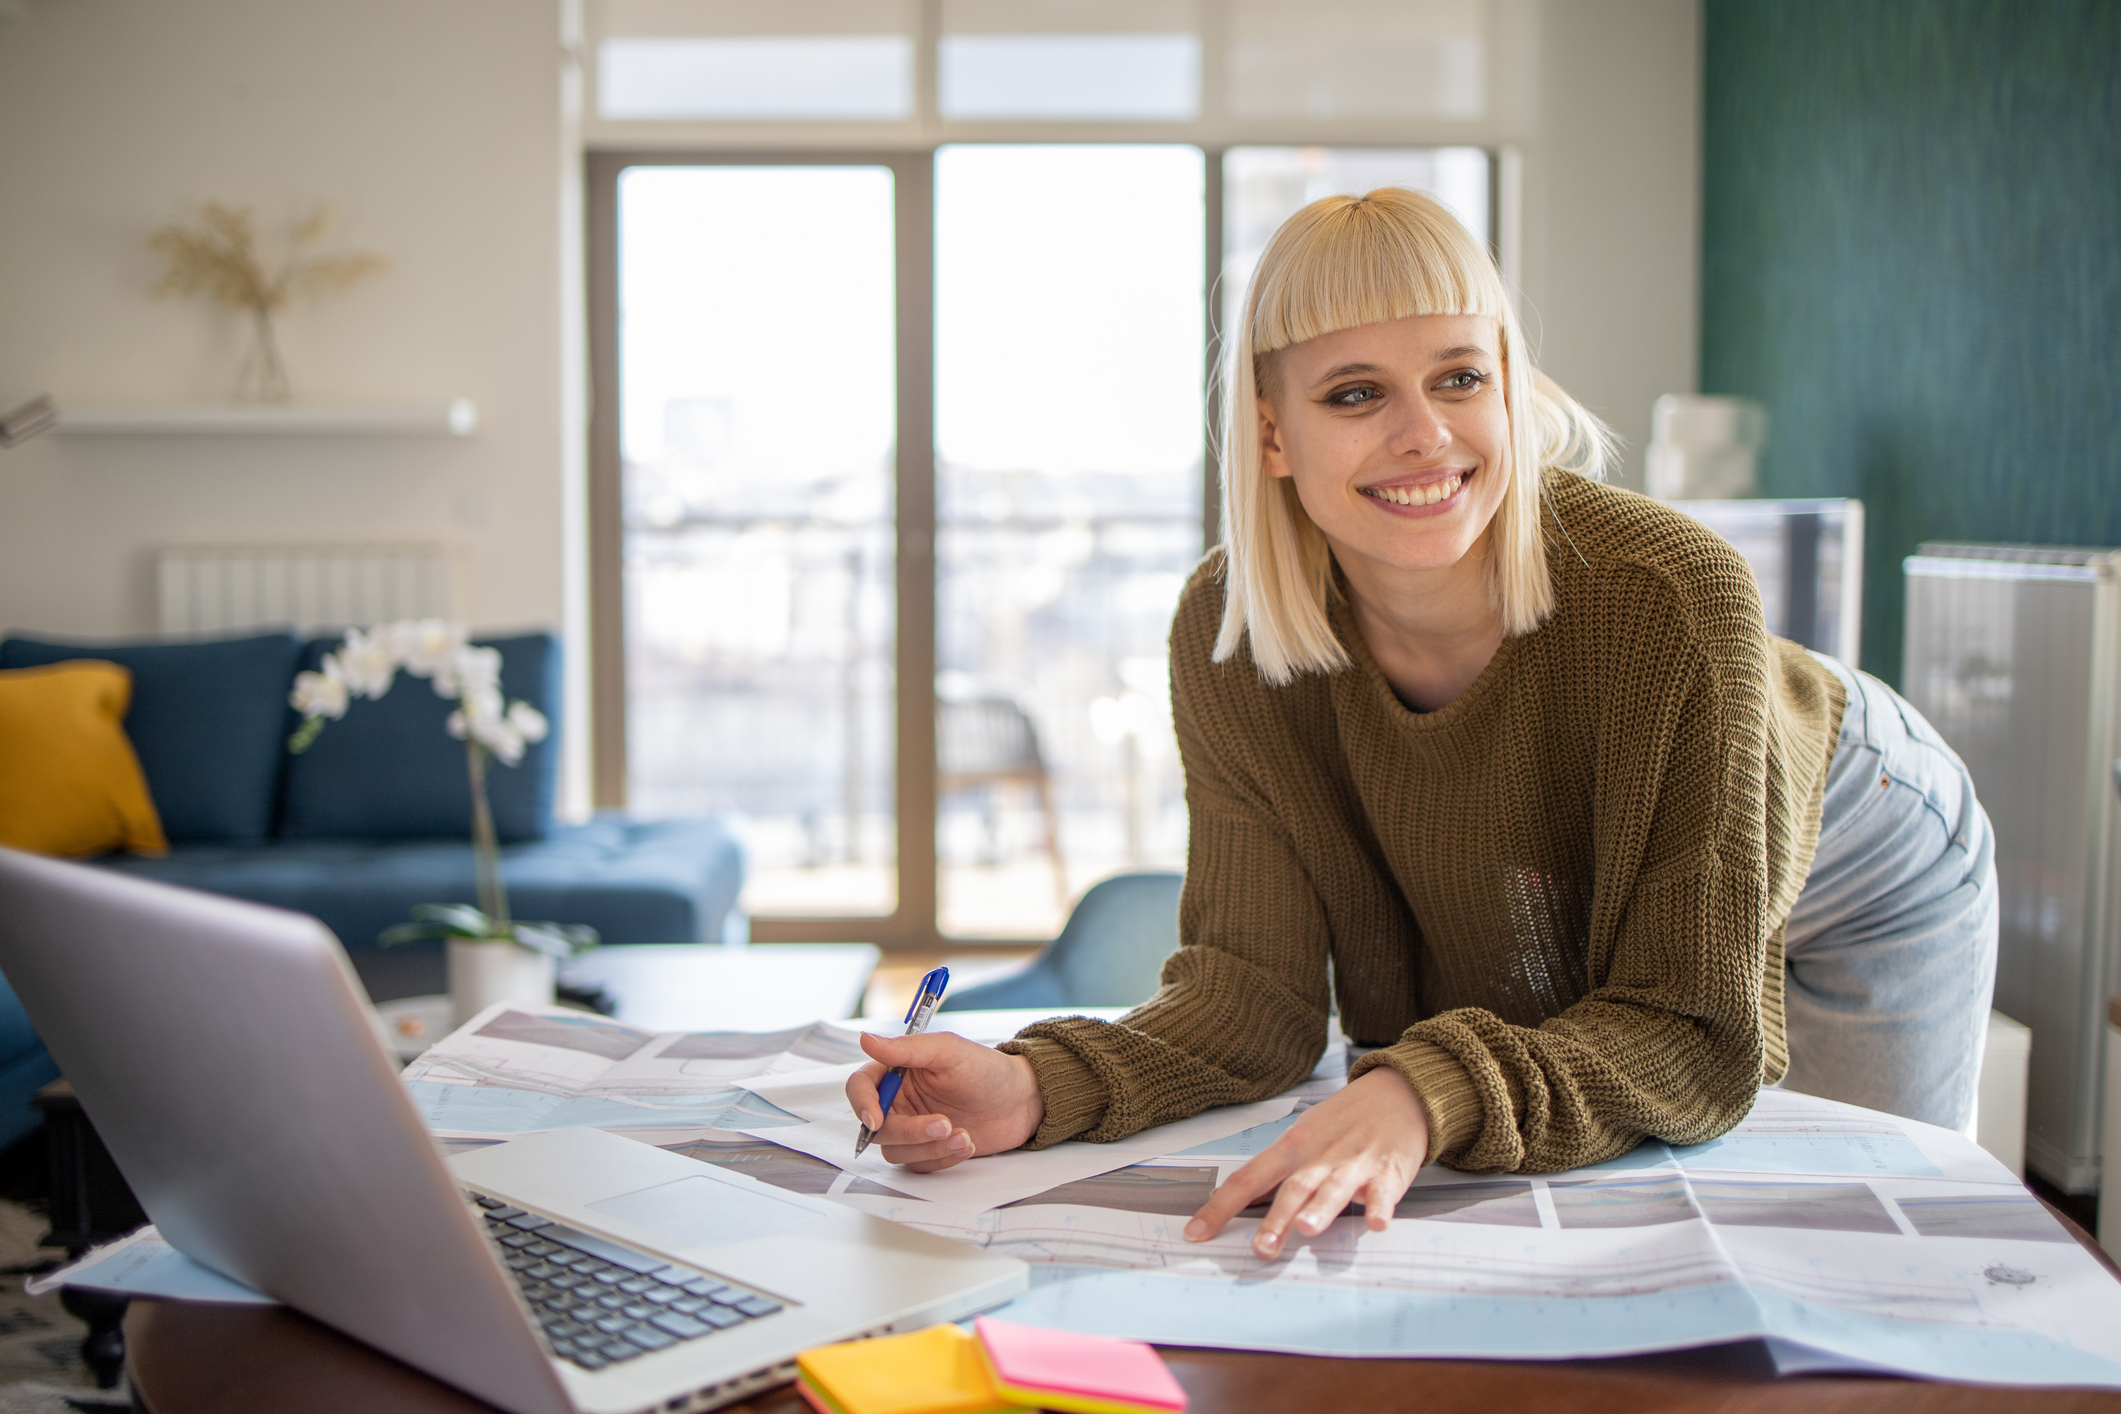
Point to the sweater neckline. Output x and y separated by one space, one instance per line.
1387 700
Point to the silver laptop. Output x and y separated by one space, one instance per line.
226 1055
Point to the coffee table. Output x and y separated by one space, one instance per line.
688 987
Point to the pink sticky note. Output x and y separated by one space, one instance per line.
1087 1372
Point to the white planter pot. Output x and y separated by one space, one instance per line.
481 974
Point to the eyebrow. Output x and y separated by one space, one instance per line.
1351 370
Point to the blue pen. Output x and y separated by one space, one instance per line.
925 1001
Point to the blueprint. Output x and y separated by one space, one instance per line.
1843 1238
142 1263
517 1070
829 1132
1840 1237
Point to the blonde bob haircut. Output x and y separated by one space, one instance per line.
1340 262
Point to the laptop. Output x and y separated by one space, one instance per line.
228 1059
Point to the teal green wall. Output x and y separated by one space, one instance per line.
1912 254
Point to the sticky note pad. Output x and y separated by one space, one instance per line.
1082 1374
935 1371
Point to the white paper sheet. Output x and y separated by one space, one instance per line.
819 1097
144 1264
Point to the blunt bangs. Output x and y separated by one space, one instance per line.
1346 261
1341 262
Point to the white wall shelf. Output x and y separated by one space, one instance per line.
458 418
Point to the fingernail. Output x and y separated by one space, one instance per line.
875 1121
1268 1242
959 1143
1196 1230
937 1128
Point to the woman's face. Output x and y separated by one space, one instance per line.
1396 436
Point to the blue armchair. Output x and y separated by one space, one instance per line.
1111 953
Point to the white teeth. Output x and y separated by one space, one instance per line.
1427 495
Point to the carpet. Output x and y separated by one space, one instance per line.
40 1344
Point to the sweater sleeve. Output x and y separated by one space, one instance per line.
1670 1040
1242 1012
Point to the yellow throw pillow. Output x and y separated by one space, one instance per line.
69 781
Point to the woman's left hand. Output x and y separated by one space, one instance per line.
1368 1141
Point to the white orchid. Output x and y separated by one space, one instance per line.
366 665
429 647
321 694
502 733
367 662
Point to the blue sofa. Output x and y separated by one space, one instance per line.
372 819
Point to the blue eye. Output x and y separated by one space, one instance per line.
1352 396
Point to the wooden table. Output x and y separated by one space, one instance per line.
261 1360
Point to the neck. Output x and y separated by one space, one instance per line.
1432 631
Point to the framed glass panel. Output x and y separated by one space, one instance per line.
740 61
756 77
1069 315
1068 60
756 311
1326 59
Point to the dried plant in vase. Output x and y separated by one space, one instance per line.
221 257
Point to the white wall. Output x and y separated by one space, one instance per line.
1612 207
442 129
438 127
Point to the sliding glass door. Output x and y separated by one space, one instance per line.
756 383
1069 310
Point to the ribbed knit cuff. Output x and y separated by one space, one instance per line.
1443 1087
1075 1098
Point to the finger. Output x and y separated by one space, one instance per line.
861 1094
1296 1191
935 1154
1237 1193
914 1052
1328 1201
909 1128
1379 1197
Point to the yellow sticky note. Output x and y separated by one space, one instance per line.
935 1371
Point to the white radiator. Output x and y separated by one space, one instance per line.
214 588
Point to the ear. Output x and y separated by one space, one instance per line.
1272 459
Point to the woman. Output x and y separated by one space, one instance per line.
1507 764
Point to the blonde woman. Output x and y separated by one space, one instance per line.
1506 764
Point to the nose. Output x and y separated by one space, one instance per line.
1420 430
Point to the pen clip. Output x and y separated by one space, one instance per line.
929 993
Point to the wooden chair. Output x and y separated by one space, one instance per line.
985 742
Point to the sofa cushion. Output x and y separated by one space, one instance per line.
209 720
667 881
388 770
70 783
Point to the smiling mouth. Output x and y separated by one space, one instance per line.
1427 494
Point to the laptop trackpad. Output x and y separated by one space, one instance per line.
702 1212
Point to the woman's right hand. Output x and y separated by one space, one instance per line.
958 1099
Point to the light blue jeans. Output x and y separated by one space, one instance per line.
1891 947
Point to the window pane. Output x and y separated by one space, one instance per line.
1358 59
1080 76
808 76
1264 186
756 402
1069 289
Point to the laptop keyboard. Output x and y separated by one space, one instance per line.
601 1303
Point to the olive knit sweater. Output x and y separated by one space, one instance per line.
1556 903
